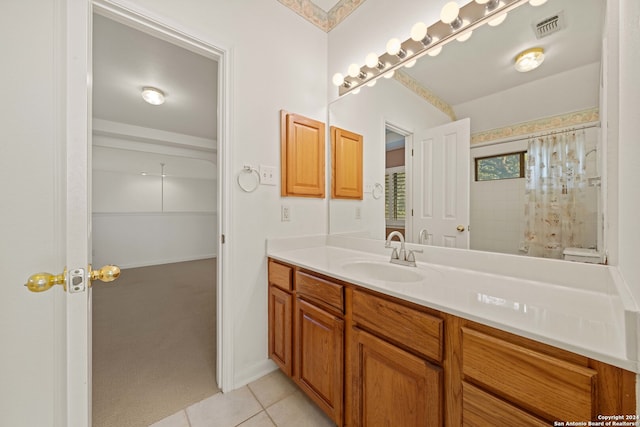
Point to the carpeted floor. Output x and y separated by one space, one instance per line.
154 344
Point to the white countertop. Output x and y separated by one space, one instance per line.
593 320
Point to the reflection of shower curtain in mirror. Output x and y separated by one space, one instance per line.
555 195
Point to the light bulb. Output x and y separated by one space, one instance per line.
482 1
152 95
371 60
356 91
410 63
419 31
372 83
338 79
537 2
353 70
498 20
464 37
389 74
449 12
435 52
393 46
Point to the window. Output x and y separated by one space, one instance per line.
394 196
503 166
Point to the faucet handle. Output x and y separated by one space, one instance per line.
394 253
411 257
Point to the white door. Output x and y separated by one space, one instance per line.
439 185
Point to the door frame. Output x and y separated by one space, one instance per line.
78 43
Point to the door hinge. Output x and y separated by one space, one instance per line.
222 240
411 212
412 152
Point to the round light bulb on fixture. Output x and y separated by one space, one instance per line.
418 31
482 1
372 83
338 79
464 37
410 63
435 52
529 59
152 95
353 70
393 46
356 91
389 74
498 20
371 60
537 2
449 12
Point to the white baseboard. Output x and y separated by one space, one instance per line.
254 372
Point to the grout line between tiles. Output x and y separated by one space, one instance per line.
264 409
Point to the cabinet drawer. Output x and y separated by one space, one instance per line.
552 388
320 290
480 409
280 275
411 328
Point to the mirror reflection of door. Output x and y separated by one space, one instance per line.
439 202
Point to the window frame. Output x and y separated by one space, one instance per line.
521 158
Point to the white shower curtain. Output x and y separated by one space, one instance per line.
555 195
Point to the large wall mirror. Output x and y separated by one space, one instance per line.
533 152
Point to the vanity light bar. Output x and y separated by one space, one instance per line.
472 14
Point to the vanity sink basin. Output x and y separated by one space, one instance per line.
384 271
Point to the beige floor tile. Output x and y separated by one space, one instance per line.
298 411
260 420
179 419
224 410
272 388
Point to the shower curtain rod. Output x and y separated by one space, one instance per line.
524 138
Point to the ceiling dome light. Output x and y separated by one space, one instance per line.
152 95
529 59
537 2
338 79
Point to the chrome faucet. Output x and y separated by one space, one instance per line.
402 257
423 237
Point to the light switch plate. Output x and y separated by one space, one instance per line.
268 175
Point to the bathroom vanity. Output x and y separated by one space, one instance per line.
438 345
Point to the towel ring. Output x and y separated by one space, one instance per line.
248 186
378 191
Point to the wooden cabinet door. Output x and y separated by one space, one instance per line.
319 357
302 156
392 387
280 329
346 164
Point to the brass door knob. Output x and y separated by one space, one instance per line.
460 228
41 282
108 273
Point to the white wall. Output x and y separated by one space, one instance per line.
387 102
573 90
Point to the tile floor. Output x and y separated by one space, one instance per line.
271 401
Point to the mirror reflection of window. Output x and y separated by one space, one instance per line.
395 183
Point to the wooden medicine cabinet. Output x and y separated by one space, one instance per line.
302 154
346 164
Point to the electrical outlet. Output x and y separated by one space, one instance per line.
285 213
267 175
